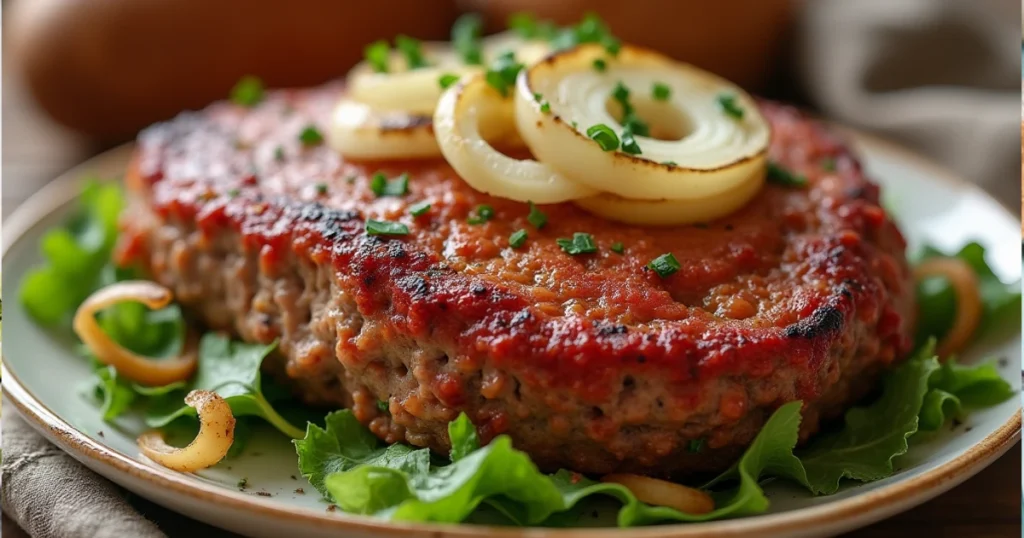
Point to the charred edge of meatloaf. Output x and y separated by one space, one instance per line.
333 356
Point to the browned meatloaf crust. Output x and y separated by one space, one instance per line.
590 362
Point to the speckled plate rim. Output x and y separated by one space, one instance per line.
829 518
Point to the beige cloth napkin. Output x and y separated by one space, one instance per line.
941 76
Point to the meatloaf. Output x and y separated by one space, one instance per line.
591 362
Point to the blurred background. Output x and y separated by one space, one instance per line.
938 76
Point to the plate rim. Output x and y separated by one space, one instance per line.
836 516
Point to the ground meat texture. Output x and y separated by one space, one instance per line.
593 362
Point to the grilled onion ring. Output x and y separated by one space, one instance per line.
138 368
663 493
470 113
357 131
216 433
671 212
968 300
718 153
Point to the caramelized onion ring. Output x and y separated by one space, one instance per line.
469 114
715 153
357 131
663 493
968 300
138 368
670 212
216 433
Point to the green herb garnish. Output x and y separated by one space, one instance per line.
629 144
581 243
501 74
604 136
248 91
412 50
310 136
730 107
378 56
618 248
828 164
279 153
665 265
781 176
600 65
536 218
482 214
385 227
517 239
529 27
321 188
382 186
661 91
466 38
447 79
419 208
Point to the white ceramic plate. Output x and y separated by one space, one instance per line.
43 379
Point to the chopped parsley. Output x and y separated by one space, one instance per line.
517 239
502 72
310 136
604 136
377 55
419 208
482 214
729 106
447 79
618 248
696 445
665 265
248 91
581 243
385 227
321 188
661 91
545 107
630 120
536 218
629 144
382 406
529 27
279 153
600 65
778 174
382 186
589 30
466 38
412 50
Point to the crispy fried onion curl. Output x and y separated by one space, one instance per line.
216 433
968 300
138 368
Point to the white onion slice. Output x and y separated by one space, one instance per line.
671 212
470 110
417 90
357 131
211 444
716 154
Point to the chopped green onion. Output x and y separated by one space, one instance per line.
629 144
377 55
419 208
581 243
447 79
696 445
612 45
466 38
483 214
661 91
385 227
536 218
618 247
779 175
310 136
517 239
321 188
502 72
621 96
665 265
600 65
382 186
604 136
729 106
545 107
248 91
412 49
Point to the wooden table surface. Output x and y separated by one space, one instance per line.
35 151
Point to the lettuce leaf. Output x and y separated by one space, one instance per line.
75 255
